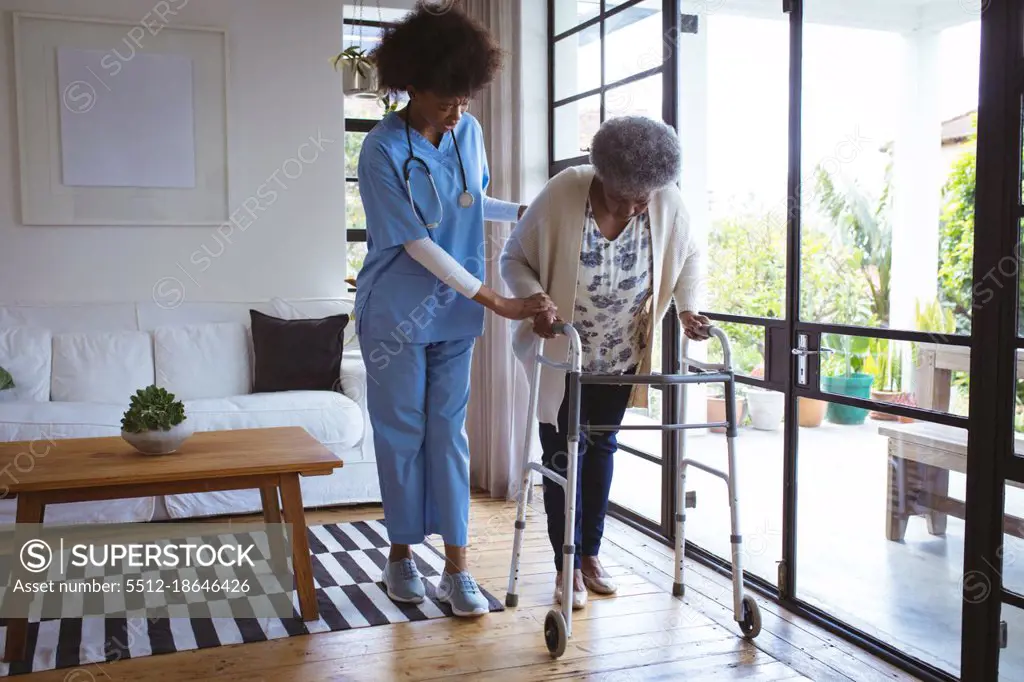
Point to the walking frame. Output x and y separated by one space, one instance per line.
558 623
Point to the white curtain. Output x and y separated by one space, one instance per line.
496 421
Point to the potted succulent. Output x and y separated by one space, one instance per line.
155 422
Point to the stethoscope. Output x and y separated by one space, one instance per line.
465 199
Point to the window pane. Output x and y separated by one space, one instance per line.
578 63
632 41
575 125
636 485
355 218
869 549
639 98
644 441
746 342
366 37
928 375
888 162
356 255
353 143
735 168
1018 419
1011 659
357 107
759 459
569 13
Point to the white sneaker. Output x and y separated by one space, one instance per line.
462 593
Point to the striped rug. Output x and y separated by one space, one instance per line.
347 563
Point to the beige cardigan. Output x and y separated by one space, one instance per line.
543 254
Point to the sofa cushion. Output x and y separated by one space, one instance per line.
26 353
203 360
102 367
297 355
332 418
50 421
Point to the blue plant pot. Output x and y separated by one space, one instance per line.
857 385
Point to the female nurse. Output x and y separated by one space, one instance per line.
420 302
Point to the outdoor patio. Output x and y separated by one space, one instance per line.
907 593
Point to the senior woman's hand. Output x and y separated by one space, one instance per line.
695 325
543 324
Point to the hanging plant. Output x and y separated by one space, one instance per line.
358 73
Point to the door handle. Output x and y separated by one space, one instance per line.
803 352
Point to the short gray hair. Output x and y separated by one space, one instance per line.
636 155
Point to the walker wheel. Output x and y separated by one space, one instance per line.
554 633
751 623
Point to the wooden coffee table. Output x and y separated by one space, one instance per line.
89 469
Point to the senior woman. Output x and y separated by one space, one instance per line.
610 244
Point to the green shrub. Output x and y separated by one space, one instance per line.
6 380
152 409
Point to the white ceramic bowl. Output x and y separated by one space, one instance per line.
159 442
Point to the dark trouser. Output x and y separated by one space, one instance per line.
599 405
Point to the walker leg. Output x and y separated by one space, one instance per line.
736 540
678 588
511 598
569 536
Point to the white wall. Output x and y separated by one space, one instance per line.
282 93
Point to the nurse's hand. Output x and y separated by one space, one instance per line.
523 308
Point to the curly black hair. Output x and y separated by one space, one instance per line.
439 49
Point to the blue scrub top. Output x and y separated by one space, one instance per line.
397 299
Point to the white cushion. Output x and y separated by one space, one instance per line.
315 309
103 367
332 418
26 353
203 360
45 421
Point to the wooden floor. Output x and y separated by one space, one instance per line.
643 633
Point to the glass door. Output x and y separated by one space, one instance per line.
734 104
888 104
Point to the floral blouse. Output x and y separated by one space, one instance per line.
612 290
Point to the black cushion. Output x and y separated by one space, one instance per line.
296 355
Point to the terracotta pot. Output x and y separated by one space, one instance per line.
716 412
811 412
884 397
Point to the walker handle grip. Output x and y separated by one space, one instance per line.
559 327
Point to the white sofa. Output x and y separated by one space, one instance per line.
76 366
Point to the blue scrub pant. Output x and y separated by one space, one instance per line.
599 405
417 402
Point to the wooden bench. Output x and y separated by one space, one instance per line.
921 455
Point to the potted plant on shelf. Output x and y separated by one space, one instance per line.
155 422
851 381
